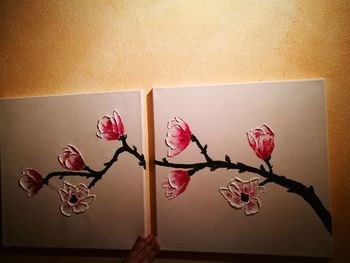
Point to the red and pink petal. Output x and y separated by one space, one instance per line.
254 187
252 207
226 193
267 130
119 122
236 201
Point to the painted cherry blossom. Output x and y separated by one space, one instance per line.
175 183
71 158
75 199
110 127
261 140
31 181
245 194
178 136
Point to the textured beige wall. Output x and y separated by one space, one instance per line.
72 46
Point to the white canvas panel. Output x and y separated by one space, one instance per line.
34 132
261 221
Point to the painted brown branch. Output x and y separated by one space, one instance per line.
97 175
307 193
202 148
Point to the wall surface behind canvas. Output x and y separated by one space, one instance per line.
61 47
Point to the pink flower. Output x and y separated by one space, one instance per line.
178 136
75 199
241 193
31 181
262 141
71 158
110 127
175 183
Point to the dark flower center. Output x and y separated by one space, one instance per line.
73 199
244 197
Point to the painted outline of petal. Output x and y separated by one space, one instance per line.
63 194
69 187
238 184
251 140
88 200
31 181
66 209
105 128
82 191
71 158
119 122
178 136
233 198
261 140
254 187
267 130
252 207
80 207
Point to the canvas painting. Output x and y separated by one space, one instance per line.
243 168
72 170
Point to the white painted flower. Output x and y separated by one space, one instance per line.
75 199
245 194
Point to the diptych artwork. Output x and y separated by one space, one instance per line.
243 168
74 165
240 168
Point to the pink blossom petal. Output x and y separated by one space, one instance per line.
226 193
88 200
180 189
110 127
176 183
234 188
238 184
236 201
74 163
165 183
251 140
66 209
75 199
254 187
252 207
178 136
105 124
69 188
242 193
233 199
82 191
261 140
170 193
267 130
106 128
178 177
256 133
80 207
72 149
71 158
107 136
119 122
246 187
31 181
169 190
63 194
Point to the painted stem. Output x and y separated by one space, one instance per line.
307 193
97 175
